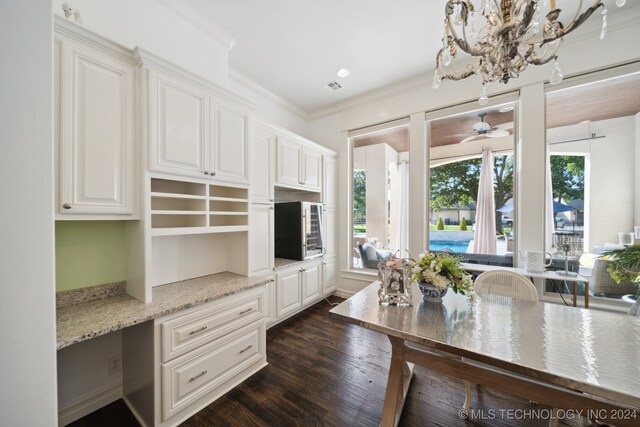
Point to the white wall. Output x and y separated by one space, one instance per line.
582 52
162 27
27 301
84 383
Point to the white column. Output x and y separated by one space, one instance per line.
636 180
418 184
530 194
27 294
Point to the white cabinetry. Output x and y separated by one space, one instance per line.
297 166
193 357
261 164
193 133
311 173
95 90
261 240
331 250
329 276
329 181
311 282
229 153
288 295
178 126
297 286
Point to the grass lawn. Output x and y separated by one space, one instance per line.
434 227
360 228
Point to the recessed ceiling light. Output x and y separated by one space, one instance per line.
506 109
342 72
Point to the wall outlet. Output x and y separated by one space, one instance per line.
115 364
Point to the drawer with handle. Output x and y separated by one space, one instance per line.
189 331
188 378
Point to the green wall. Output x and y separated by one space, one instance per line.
89 253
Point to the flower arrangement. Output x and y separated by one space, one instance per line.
625 265
442 270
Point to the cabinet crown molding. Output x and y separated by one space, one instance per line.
70 30
280 131
154 62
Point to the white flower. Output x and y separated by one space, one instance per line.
441 282
420 256
416 269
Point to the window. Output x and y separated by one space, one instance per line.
459 146
380 191
593 146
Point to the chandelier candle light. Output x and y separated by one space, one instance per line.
506 36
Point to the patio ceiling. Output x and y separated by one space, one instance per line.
604 100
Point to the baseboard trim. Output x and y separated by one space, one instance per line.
343 294
134 411
88 403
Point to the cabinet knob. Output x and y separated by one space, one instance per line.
206 172
213 174
66 206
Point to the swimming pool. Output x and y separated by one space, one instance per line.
455 246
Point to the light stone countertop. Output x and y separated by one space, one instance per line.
283 262
80 322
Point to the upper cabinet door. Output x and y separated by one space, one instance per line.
229 154
178 126
312 170
288 157
260 154
329 181
96 132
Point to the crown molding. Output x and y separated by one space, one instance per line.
154 62
257 87
64 27
198 20
617 22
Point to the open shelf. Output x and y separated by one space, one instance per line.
185 188
186 207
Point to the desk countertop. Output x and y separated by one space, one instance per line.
80 322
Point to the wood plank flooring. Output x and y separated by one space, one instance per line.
323 372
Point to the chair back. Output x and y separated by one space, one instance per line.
505 283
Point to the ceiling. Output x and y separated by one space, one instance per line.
294 47
592 102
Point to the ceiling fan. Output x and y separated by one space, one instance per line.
483 128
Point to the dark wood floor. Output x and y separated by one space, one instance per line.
323 372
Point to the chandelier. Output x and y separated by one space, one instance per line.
506 36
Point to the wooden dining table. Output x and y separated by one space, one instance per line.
586 362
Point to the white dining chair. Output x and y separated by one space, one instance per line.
503 285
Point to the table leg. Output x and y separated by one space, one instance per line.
400 374
586 294
575 294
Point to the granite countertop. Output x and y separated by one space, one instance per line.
283 262
86 320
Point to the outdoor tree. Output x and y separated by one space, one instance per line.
359 195
567 177
463 224
440 225
457 184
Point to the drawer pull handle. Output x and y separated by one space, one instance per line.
246 311
196 331
245 349
195 377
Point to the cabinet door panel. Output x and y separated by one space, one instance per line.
261 189
311 284
312 170
178 125
288 297
229 156
96 141
329 276
329 178
261 240
330 232
288 154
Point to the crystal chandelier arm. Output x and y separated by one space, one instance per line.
527 17
562 31
461 42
